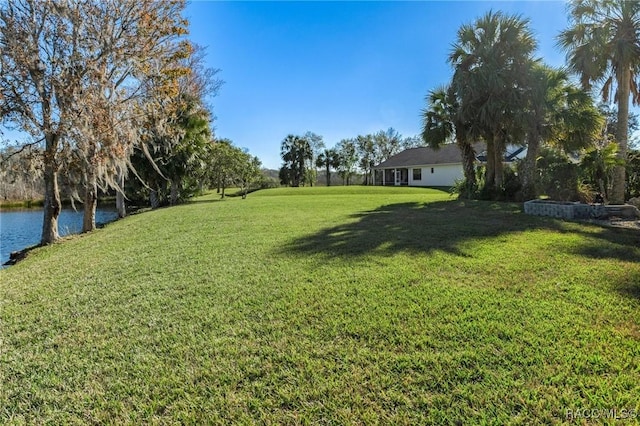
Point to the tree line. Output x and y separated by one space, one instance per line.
500 93
303 155
114 98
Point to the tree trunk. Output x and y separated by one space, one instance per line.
163 198
468 164
153 199
52 205
529 172
603 189
490 172
90 202
622 132
499 166
328 176
175 186
120 204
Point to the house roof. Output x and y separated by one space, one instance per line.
446 154
511 154
422 156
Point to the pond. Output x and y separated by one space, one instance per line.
23 228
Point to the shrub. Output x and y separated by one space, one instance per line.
633 174
558 176
511 184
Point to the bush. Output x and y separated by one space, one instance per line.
511 184
558 176
560 181
269 182
633 174
461 188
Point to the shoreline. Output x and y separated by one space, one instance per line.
39 204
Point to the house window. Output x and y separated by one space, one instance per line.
432 170
417 174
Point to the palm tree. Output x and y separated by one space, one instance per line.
558 113
440 123
598 166
603 47
490 58
295 152
328 159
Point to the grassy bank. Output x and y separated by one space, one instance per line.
324 305
21 204
39 203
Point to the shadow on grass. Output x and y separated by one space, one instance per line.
417 227
444 225
630 286
622 245
215 200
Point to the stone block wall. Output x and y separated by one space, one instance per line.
557 209
565 210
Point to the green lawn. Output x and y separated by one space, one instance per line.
324 305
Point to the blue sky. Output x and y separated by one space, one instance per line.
338 69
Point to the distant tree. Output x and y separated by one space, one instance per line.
603 45
366 150
328 159
412 142
388 143
224 164
296 152
316 144
247 172
348 159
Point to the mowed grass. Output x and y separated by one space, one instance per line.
324 306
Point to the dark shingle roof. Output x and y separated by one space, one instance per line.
447 154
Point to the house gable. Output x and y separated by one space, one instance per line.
426 156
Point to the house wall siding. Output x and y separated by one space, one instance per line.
443 175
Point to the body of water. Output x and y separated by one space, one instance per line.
23 228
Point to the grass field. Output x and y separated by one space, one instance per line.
325 306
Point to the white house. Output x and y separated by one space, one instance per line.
426 166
